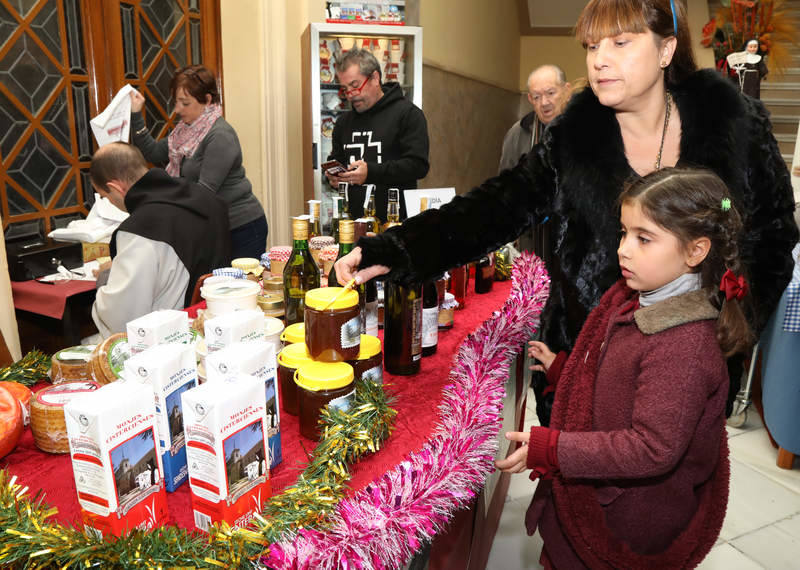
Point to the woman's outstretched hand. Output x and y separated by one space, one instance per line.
347 268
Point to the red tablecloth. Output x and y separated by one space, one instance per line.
48 299
416 401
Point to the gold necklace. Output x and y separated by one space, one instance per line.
668 102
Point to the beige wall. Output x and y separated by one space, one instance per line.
473 38
8 319
564 51
698 17
262 73
470 89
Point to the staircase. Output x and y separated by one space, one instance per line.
781 93
781 96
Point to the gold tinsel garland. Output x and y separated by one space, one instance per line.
29 370
28 540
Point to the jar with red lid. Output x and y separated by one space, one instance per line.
369 364
321 384
290 358
333 324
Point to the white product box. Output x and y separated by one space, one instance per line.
226 448
169 370
158 327
256 359
239 326
115 460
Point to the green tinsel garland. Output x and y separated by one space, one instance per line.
31 369
27 540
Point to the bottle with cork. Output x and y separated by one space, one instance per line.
430 307
301 273
314 225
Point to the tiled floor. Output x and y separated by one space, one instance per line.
762 526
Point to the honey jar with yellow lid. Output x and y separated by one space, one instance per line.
293 334
333 324
290 358
368 365
321 384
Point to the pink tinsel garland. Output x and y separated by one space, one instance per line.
384 524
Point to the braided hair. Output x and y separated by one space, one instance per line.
694 203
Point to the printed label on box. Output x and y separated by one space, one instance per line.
256 359
117 469
227 450
169 370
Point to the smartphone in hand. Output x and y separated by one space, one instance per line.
333 167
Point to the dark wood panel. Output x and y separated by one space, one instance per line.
102 59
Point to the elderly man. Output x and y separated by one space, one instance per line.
548 92
383 140
176 232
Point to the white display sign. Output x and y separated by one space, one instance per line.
436 198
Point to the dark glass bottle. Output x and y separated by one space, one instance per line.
459 285
337 215
300 275
430 318
484 273
343 194
402 329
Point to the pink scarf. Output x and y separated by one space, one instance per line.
183 139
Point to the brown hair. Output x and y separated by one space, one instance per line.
608 18
688 203
117 161
198 82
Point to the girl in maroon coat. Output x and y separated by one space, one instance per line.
634 466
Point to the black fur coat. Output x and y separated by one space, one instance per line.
575 176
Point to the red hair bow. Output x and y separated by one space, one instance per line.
733 286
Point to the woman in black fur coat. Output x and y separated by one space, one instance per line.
648 107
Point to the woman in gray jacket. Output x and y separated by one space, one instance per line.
204 148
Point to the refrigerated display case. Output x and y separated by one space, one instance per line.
397 48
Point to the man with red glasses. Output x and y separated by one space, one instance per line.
382 141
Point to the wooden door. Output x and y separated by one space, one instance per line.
61 61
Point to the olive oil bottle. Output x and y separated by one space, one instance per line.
300 275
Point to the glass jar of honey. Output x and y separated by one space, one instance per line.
292 357
293 334
333 324
369 364
321 384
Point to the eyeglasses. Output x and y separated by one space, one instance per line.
350 90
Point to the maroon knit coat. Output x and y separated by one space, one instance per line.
642 453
